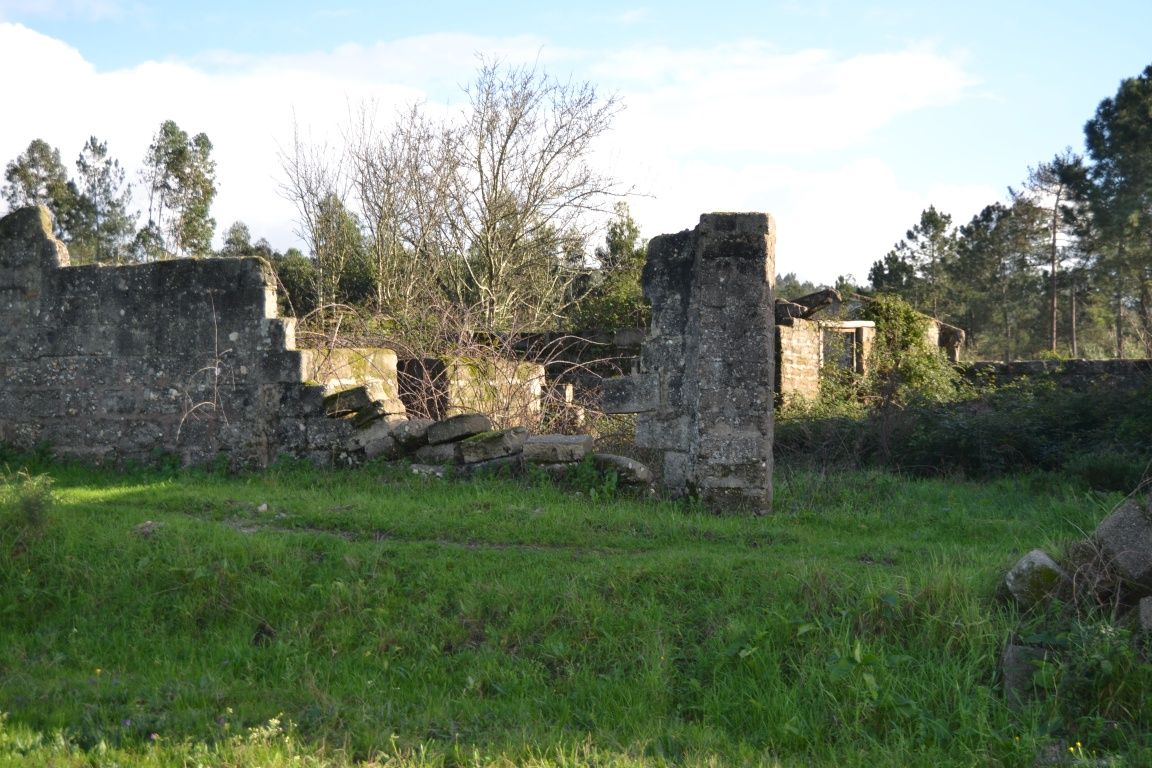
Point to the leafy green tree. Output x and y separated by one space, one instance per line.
237 241
916 267
181 178
1119 143
296 276
894 274
615 299
338 246
790 286
101 226
904 365
993 279
38 177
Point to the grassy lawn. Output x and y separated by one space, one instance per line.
304 617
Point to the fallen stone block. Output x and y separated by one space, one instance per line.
628 471
1126 537
1034 579
381 448
487 446
377 430
556 449
503 466
411 434
370 414
458 427
363 436
441 453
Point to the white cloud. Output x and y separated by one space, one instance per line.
750 98
738 127
829 223
92 10
747 127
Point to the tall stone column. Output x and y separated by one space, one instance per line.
704 394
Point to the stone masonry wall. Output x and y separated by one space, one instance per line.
704 393
183 357
799 356
509 391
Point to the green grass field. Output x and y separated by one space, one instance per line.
305 617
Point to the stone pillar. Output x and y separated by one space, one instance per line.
704 393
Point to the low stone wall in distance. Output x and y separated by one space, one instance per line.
1070 373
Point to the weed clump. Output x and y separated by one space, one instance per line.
26 503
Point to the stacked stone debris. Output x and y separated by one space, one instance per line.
467 444
1111 568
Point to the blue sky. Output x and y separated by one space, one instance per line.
842 119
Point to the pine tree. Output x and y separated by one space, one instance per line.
101 225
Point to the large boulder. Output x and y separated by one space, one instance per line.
1035 579
1126 537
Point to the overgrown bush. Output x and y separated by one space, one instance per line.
1108 469
904 367
859 420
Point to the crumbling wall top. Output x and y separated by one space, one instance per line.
28 233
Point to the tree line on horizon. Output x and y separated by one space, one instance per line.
489 214
1063 267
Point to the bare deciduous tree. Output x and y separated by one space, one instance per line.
318 186
490 211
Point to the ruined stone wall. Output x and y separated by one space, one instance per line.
804 347
183 357
509 391
704 393
799 356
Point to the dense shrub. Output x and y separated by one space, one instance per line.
1097 430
